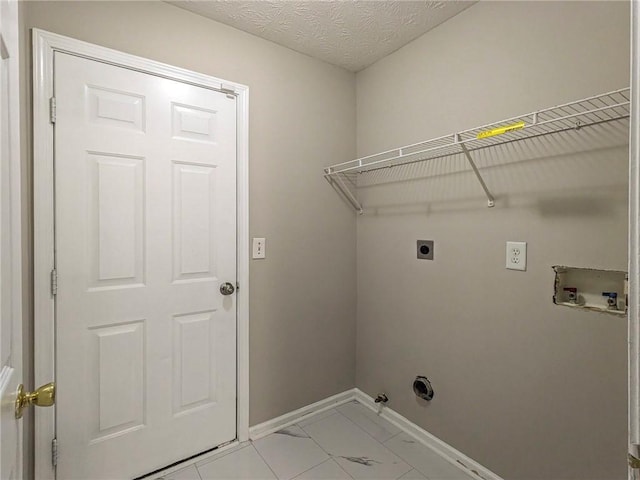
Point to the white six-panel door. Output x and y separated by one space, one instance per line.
145 215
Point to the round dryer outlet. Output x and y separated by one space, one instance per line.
422 388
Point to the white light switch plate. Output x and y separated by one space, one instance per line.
517 255
259 248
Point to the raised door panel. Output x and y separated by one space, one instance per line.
194 362
194 123
115 108
116 220
117 354
193 220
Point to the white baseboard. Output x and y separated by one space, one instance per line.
446 451
288 419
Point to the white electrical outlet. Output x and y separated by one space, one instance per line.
259 248
517 255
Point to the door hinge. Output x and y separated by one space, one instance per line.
52 109
633 461
54 452
54 282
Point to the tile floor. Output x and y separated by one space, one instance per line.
347 442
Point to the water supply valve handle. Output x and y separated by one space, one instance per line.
612 299
572 294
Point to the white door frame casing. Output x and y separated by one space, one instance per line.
45 44
12 374
634 242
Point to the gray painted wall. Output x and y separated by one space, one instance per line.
530 389
527 388
302 117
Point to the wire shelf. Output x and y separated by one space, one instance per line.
596 110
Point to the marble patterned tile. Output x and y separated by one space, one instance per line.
328 470
243 464
289 452
423 459
189 473
413 475
376 426
354 450
317 416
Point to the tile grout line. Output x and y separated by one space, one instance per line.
265 461
320 447
381 443
391 438
413 466
384 443
314 440
321 463
372 437
309 437
340 467
428 447
197 471
378 414
330 459
349 421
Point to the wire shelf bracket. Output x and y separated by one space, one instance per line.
572 116
337 182
491 201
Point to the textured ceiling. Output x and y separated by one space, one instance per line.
352 34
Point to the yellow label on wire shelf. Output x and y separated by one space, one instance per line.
500 130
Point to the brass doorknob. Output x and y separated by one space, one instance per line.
45 396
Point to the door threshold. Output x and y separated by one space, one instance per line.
187 462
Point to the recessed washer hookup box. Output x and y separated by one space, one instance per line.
591 289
